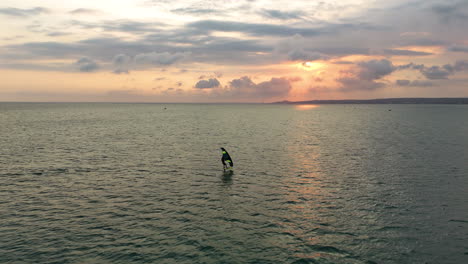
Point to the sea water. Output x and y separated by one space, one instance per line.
144 183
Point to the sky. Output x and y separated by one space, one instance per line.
232 50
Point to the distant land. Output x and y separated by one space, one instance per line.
463 100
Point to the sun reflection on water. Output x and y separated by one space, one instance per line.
305 106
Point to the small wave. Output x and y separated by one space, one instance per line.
458 220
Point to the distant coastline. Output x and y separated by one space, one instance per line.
463 100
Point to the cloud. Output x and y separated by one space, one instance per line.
121 25
84 11
281 15
400 52
163 58
461 65
17 12
349 84
449 12
86 65
367 76
58 34
207 84
414 83
245 87
121 63
375 69
295 79
195 11
437 72
301 55
458 48
253 29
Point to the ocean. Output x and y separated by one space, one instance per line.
144 183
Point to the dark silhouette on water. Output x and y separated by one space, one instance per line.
226 159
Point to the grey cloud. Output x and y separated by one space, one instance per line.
121 63
18 12
86 65
375 69
121 25
415 83
253 29
245 87
367 76
343 62
420 41
57 34
80 11
459 48
353 84
441 72
437 72
163 58
449 12
195 11
398 52
242 83
460 66
301 55
207 84
282 15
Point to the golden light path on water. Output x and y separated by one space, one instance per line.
305 106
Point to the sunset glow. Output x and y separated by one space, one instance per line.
240 51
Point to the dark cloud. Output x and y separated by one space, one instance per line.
17 12
399 52
349 84
207 84
86 65
437 72
415 83
367 76
375 69
245 87
163 58
281 15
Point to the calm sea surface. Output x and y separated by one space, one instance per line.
138 183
